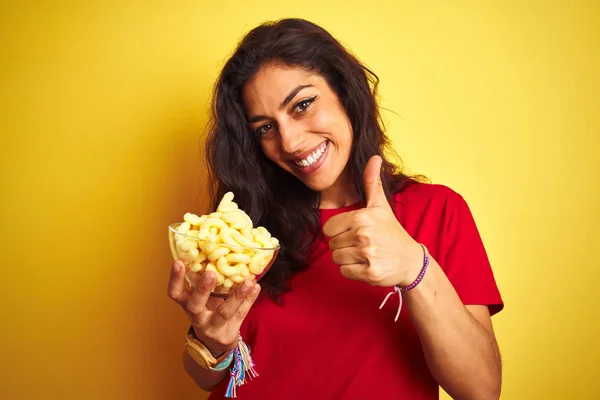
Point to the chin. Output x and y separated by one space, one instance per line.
319 185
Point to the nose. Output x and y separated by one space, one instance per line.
292 136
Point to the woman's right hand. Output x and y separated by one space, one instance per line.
216 322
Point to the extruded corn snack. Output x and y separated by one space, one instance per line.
226 243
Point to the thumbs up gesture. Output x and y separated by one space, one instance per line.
369 244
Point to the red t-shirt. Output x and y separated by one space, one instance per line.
329 340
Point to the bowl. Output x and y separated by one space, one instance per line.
232 264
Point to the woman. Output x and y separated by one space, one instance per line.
296 135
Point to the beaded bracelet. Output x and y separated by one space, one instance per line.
421 274
400 289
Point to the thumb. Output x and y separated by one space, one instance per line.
373 186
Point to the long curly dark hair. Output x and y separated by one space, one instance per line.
272 197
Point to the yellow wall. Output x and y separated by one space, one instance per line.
102 106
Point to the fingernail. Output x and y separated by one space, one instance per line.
176 267
255 289
245 287
208 278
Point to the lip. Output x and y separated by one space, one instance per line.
315 166
306 153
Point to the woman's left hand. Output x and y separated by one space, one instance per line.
369 244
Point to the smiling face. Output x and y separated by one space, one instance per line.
301 126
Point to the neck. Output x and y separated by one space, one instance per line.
340 194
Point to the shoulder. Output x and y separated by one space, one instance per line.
427 194
429 207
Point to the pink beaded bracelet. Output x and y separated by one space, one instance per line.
400 290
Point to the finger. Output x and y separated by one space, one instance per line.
227 309
244 308
355 272
197 303
336 225
344 222
214 302
375 195
176 289
349 255
344 239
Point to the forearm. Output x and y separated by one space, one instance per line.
206 379
461 353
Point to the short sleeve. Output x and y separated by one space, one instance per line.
464 258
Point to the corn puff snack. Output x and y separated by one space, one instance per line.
226 243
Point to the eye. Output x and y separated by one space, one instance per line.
263 129
302 105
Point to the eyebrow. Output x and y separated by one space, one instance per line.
284 103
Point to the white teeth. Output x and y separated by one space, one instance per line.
313 157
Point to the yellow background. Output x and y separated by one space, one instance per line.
102 108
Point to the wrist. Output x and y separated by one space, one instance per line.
405 288
215 352
418 269
203 356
